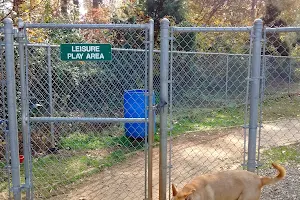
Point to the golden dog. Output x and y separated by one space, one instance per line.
227 185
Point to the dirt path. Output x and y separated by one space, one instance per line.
192 154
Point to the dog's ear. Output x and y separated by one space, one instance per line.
186 195
174 191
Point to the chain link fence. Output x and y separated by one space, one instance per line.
4 148
209 70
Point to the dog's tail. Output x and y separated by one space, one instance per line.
281 175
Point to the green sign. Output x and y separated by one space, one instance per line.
86 52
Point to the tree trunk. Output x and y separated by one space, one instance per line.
64 8
76 3
95 3
253 8
16 5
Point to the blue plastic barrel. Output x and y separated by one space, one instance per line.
134 107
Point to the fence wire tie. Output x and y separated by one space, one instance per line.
247 126
15 32
254 78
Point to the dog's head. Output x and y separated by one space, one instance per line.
184 194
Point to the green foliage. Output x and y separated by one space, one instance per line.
185 41
202 78
60 36
93 141
207 119
79 141
157 9
115 157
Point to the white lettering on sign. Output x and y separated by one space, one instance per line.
85 48
95 56
75 55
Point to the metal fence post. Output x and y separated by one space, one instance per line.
150 110
12 108
24 104
254 93
164 73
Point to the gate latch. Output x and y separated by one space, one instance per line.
160 106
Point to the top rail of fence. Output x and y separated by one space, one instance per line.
211 29
86 26
283 29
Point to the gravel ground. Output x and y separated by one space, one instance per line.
288 189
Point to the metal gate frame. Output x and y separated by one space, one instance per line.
264 78
166 79
14 165
10 33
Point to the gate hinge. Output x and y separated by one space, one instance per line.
15 190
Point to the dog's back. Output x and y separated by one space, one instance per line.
227 185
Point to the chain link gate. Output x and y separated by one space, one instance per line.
83 118
279 131
208 89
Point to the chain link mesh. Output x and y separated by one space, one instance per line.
65 155
209 73
280 108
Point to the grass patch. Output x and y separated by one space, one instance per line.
79 141
93 141
3 177
206 119
281 154
281 107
